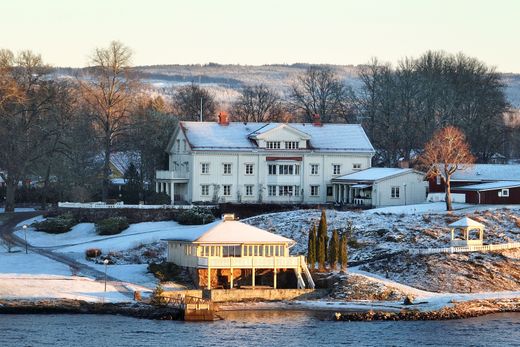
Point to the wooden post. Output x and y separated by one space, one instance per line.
274 273
231 279
209 275
253 277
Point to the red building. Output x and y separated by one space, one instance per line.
484 184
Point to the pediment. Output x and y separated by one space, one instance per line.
282 132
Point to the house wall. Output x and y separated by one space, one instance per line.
260 179
415 192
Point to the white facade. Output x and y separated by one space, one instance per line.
379 187
261 162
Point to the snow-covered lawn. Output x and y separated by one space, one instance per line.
31 276
435 207
21 209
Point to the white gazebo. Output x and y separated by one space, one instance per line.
229 253
467 232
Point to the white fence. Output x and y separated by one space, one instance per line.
102 205
483 248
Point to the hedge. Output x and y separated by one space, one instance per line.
111 226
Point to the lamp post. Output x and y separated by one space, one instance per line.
106 263
25 236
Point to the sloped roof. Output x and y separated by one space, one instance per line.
488 172
466 222
373 174
489 186
229 232
237 136
122 160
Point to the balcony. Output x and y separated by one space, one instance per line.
248 262
171 175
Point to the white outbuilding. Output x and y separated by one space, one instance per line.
378 187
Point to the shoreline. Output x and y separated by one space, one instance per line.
459 310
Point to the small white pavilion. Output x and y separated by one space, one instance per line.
229 254
467 232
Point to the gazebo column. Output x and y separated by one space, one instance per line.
334 195
209 275
274 273
172 192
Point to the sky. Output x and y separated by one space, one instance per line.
256 32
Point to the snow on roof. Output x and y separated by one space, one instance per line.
229 232
237 135
122 160
488 172
373 174
490 186
465 223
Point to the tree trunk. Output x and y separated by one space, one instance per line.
448 194
46 185
106 173
9 196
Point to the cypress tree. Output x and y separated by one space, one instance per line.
334 250
311 248
343 252
322 255
322 232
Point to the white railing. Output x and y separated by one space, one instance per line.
249 262
483 248
122 205
170 175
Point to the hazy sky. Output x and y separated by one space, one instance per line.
264 31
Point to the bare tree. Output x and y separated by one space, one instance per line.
109 89
446 153
27 96
257 103
319 91
189 100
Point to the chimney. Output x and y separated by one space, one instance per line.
404 164
316 120
223 118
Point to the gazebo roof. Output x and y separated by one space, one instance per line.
467 223
229 232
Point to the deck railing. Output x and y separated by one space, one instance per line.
249 262
483 248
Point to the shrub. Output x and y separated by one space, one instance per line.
164 271
92 252
56 225
195 216
154 198
157 297
111 226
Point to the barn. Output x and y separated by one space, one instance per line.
500 192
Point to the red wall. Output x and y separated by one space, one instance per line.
491 196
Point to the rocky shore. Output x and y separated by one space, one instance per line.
457 311
138 310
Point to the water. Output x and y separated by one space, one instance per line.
260 328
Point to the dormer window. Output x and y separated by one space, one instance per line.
292 145
273 144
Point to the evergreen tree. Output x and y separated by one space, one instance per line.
334 250
322 238
322 254
311 248
132 188
343 252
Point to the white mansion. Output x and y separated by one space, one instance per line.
261 162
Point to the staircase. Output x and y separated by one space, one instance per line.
306 272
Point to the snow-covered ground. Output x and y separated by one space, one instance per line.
376 232
21 209
31 276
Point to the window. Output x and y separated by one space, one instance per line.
271 190
285 190
184 145
329 191
178 145
315 190
292 144
273 144
356 166
204 168
395 193
227 169
249 190
336 169
249 169
204 190
438 180
505 193
272 169
227 189
314 169
296 169
286 169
